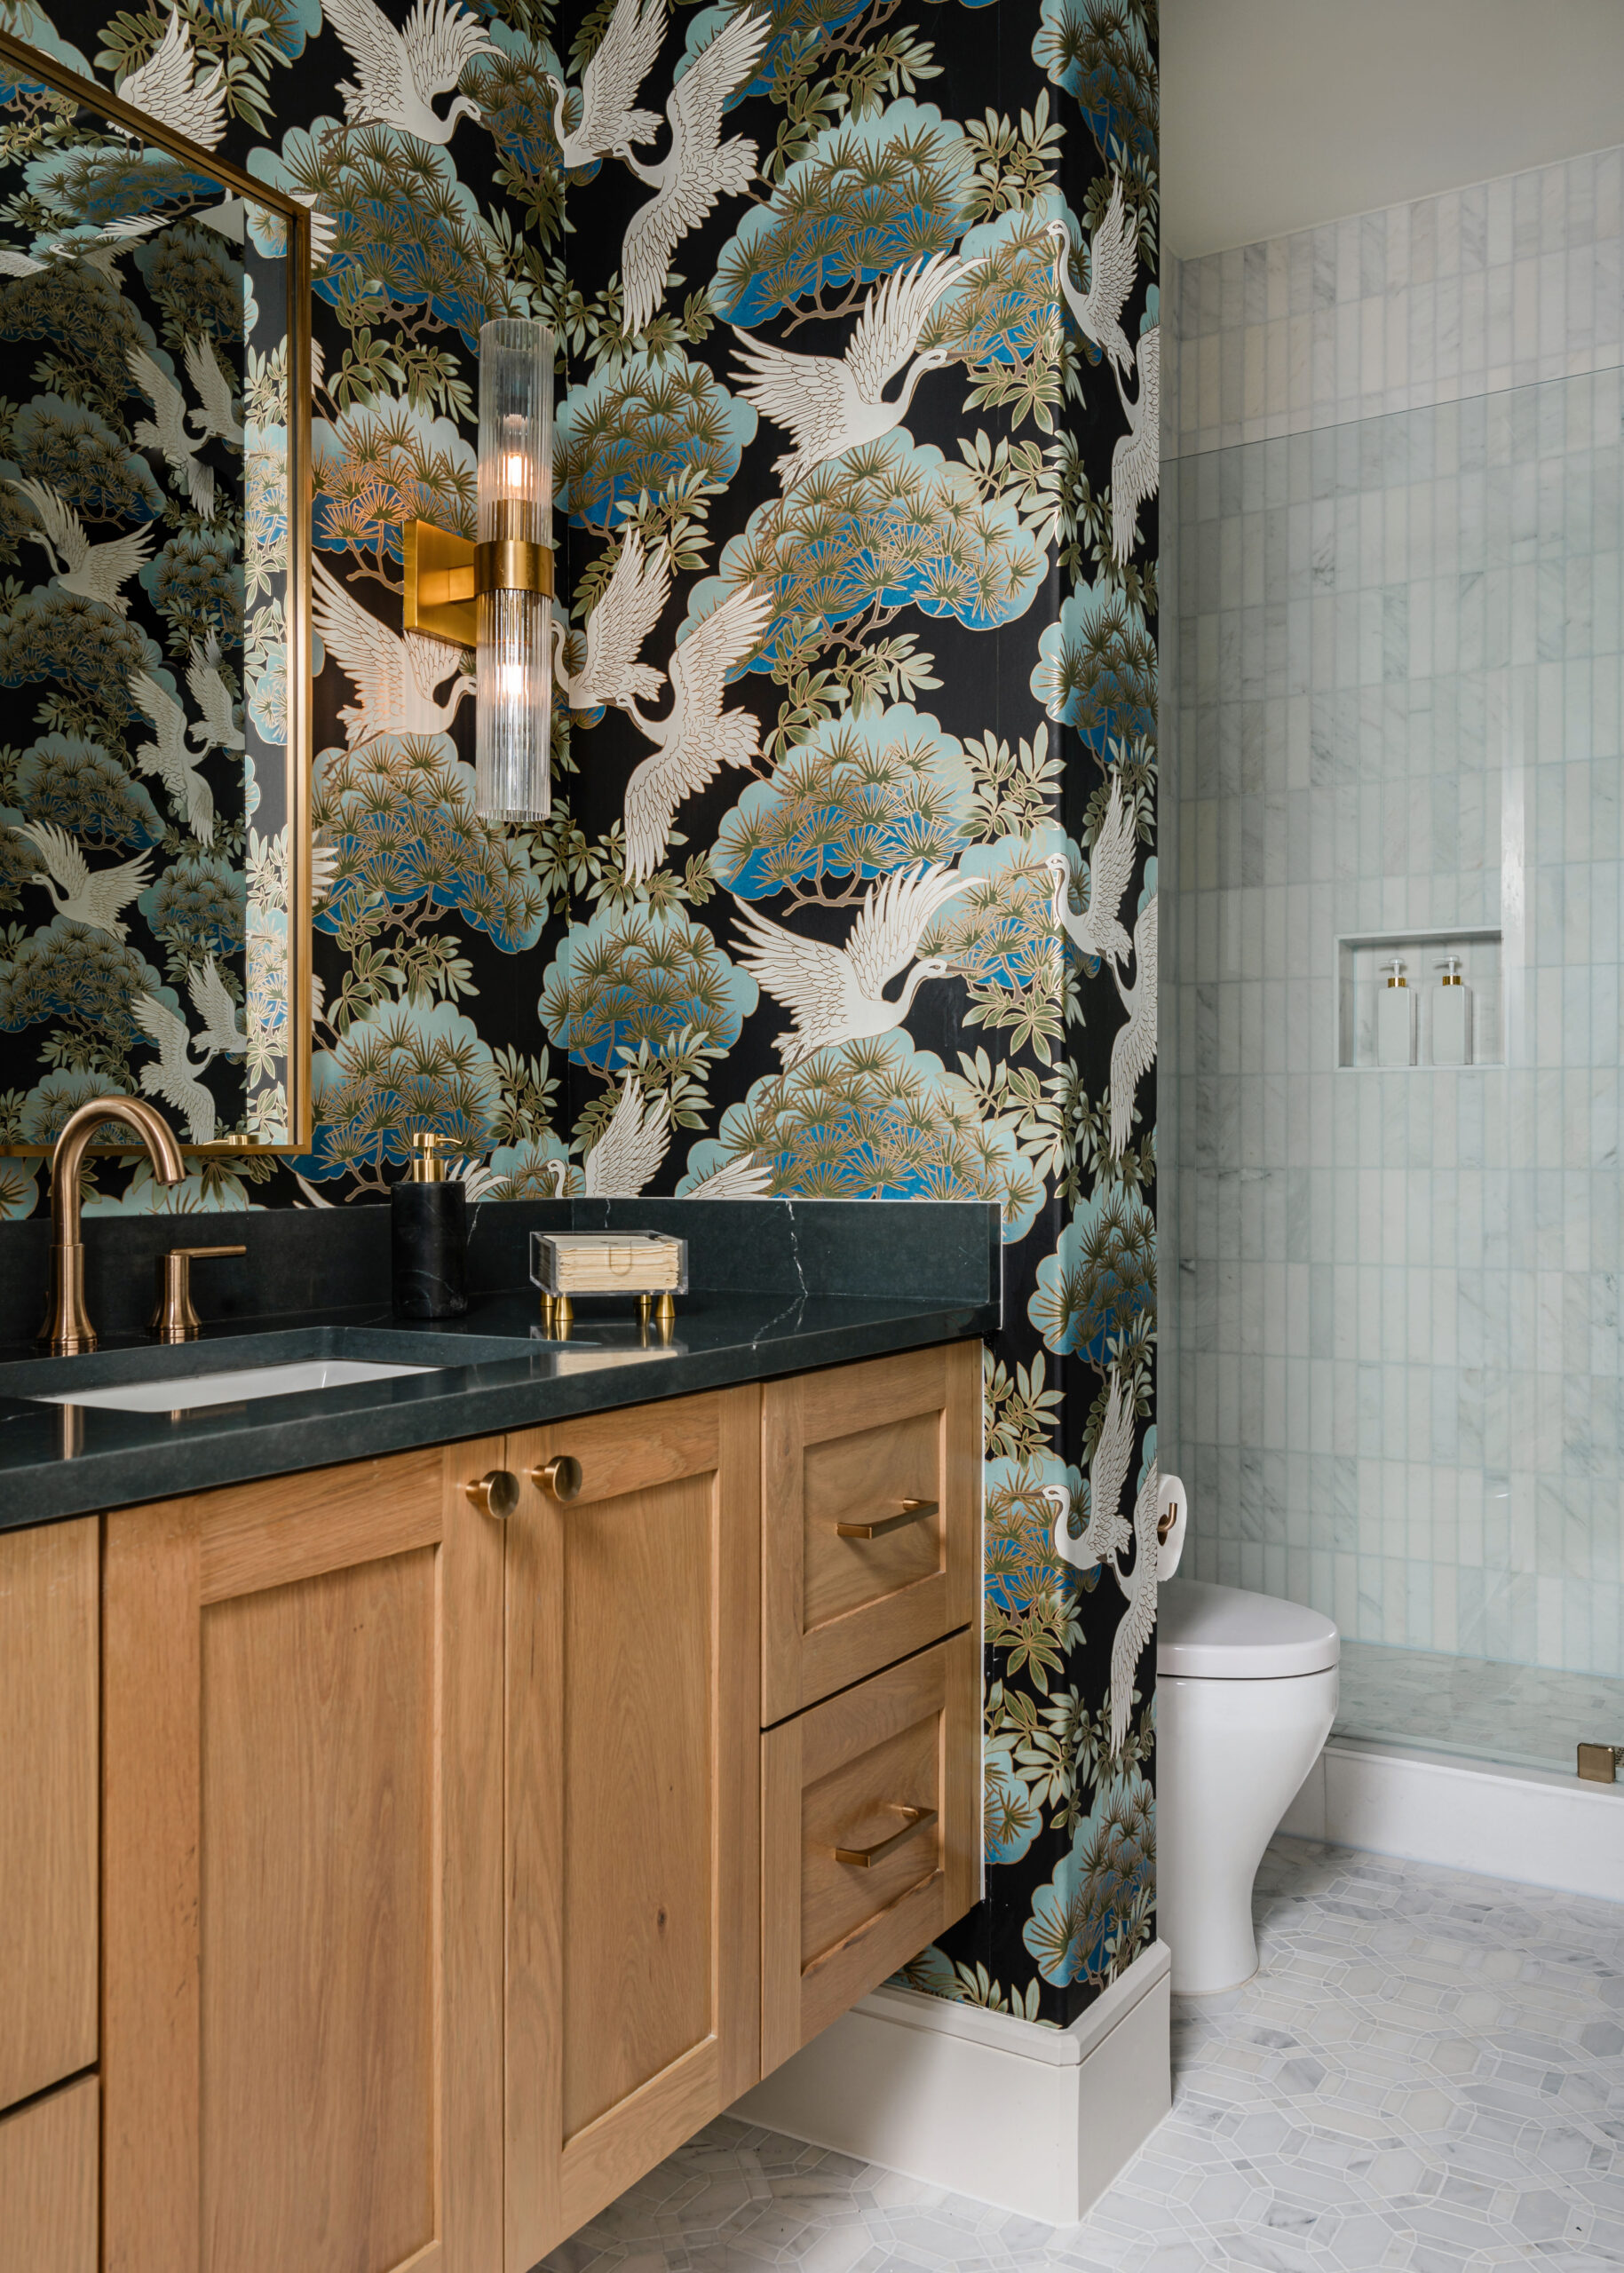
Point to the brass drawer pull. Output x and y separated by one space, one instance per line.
914 1512
560 1478
495 1493
864 1859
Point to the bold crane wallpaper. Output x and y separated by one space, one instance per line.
850 886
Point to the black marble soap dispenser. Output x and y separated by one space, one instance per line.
429 1247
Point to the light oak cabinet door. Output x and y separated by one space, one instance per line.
48 2183
49 1619
633 1658
871 1496
870 1830
302 1875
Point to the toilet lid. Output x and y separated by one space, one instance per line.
1225 1633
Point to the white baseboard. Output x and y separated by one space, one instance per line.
1033 2119
1525 1824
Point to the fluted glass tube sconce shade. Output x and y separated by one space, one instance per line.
514 573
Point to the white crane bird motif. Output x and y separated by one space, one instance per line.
1133 1052
398 72
745 1178
621 62
174 1077
167 87
218 1008
96 249
1106 1534
1135 461
1098 932
697 168
1107 1538
166 429
170 759
626 611
1112 258
95 897
217 416
836 994
628 1153
217 729
696 734
831 403
394 674
94 572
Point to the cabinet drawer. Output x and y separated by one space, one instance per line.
860 1446
48 2154
845 1780
49 1590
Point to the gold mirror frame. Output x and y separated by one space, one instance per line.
30 63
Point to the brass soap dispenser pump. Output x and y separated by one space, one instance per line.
429 1242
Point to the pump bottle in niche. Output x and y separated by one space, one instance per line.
1452 1017
1394 1017
429 1240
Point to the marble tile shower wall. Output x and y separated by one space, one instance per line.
1394 1379
1496 286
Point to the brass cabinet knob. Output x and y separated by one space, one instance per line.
560 1478
495 1494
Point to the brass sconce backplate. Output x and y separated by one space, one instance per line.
444 574
440 587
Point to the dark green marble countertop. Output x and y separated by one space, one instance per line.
492 1372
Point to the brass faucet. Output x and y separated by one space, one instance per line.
67 1331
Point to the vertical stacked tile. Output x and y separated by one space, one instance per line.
1395 553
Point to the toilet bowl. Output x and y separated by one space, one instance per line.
1246 1694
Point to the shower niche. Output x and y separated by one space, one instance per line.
1427 1025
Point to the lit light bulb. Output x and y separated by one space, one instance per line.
514 666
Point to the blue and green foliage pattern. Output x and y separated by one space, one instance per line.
850 878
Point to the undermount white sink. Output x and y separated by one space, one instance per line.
178 1395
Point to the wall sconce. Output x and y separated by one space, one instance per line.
496 595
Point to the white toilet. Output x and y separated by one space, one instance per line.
1246 1694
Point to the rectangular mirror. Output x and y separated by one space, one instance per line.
154 831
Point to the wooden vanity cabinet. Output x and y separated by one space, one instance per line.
48 2183
302 1875
49 1585
435 1903
633 1706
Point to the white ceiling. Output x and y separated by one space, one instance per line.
1277 115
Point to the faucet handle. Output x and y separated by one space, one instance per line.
174 1320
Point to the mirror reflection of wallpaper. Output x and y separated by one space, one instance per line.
132 539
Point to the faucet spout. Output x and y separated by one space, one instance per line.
67 1331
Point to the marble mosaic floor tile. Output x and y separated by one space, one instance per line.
1525 1716
1426 2076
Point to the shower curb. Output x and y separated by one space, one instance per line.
1525 1824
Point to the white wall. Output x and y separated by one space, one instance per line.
1278 114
